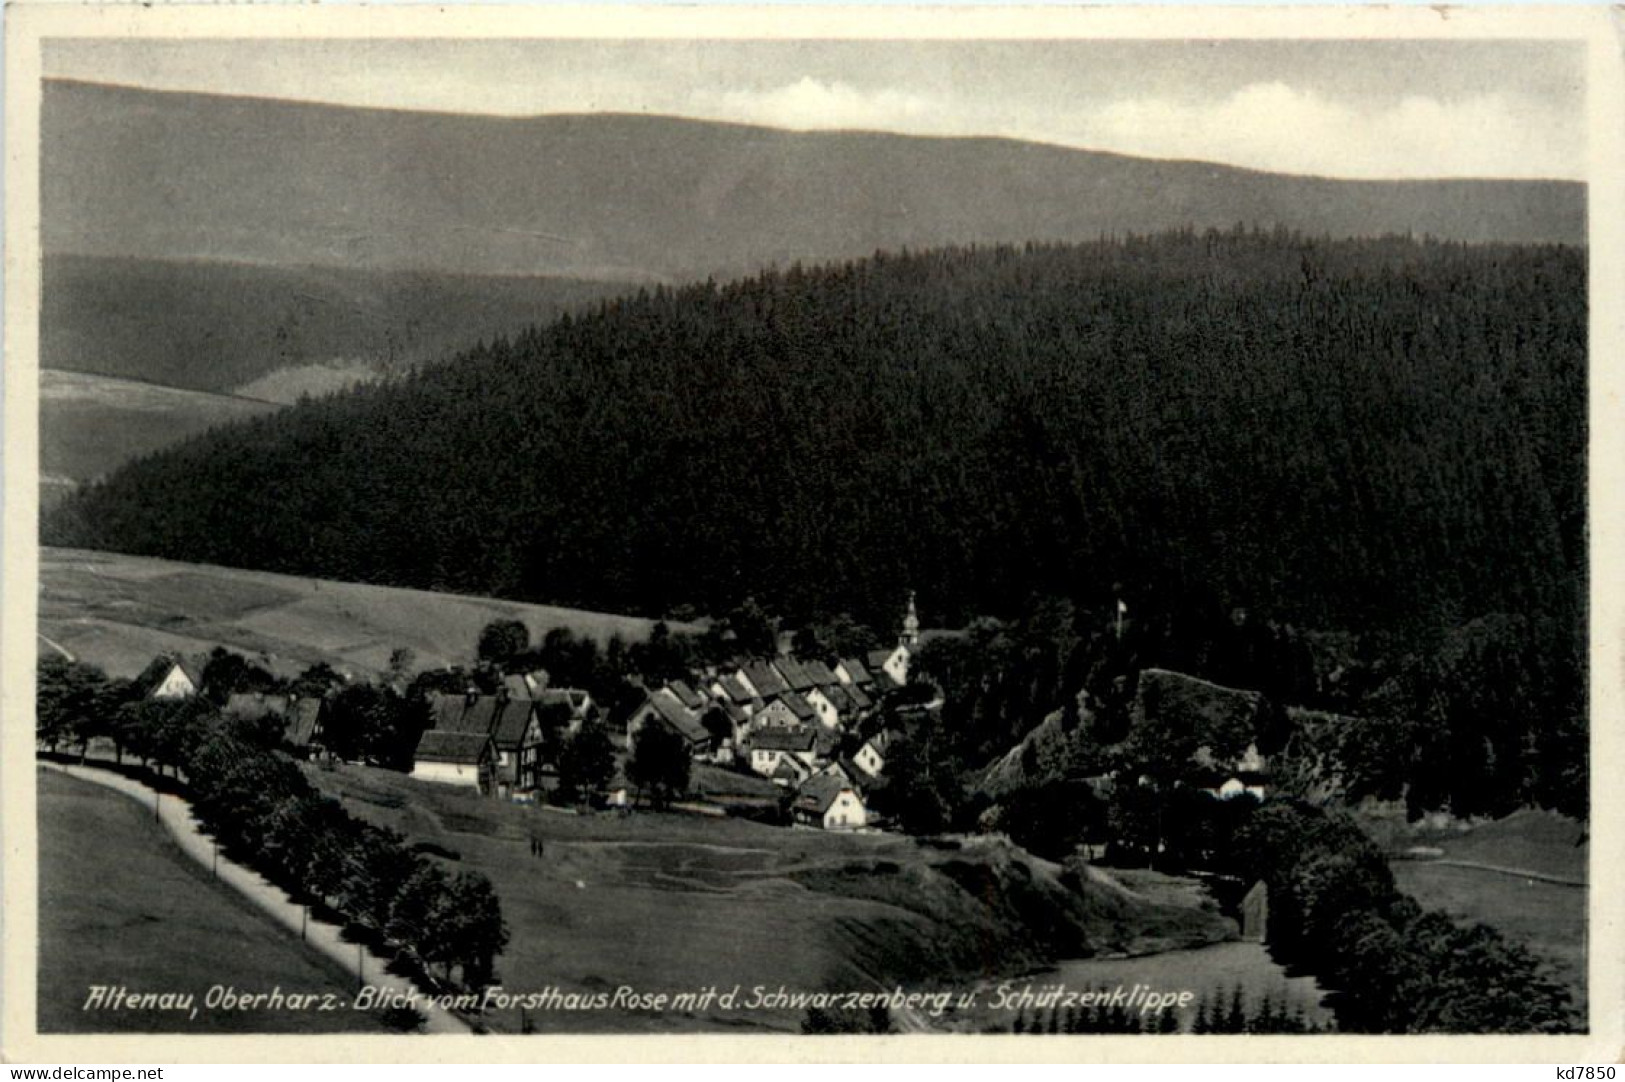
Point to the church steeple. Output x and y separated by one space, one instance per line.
911 625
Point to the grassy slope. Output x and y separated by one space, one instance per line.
90 424
1548 918
668 902
220 326
117 611
119 904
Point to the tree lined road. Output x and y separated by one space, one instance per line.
176 816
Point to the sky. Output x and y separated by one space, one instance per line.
1332 108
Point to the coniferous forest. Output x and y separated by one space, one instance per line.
1382 436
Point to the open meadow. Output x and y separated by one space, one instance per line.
1475 879
674 903
127 908
91 424
117 612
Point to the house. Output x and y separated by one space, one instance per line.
794 674
769 747
732 690
663 707
455 758
871 758
790 772
892 663
851 671
831 802
532 754
575 703
446 711
302 729
515 686
687 695
513 726
824 708
480 716
788 711
1247 775
762 680
170 676
820 674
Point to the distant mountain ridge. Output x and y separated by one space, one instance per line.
184 176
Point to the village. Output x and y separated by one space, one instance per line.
811 730
805 737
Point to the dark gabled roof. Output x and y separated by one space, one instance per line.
687 695
480 717
733 690
882 740
574 698
158 668
820 674
509 731
790 768
859 698
302 718
856 670
838 698
445 711
252 706
766 682
778 738
877 661
686 722
734 712
820 792
799 706
439 746
794 674
516 686
884 682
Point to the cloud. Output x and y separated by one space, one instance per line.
809 104
1280 128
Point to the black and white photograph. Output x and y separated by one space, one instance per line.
782 534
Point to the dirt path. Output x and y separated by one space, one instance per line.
176 816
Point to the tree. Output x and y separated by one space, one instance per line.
659 764
501 640
226 673
753 630
718 726
586 764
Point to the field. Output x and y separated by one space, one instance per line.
91 424
117 611
1547 917
671 903
120 905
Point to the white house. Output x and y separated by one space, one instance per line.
455 759
871 758
171 677
769 747
890 667
829 715
829 801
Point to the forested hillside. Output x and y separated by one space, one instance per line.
1384 436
